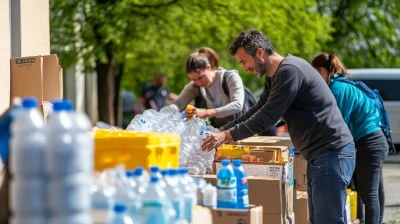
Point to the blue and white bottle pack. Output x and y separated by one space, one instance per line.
226 186
242 185
173 192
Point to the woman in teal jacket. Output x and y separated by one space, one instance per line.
362 117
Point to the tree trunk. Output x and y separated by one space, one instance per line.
105 87
117 101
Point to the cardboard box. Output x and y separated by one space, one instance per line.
275 197
300 172
38 76
301 207
201 215
267 141
254 215
266 155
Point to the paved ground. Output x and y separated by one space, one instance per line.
391 175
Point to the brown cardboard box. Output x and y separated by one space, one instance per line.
300 171
254 215
267 141
269 193
266 155
38 76
201 215
301 207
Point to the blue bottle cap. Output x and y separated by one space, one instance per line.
130 173
183 170
154 179
225 162
29 102
237 162
173 172
118 208
68 106
164 172
154 169
138 171
58 105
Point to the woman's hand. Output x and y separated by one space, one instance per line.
201 113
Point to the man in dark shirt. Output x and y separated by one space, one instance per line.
297 93
155 96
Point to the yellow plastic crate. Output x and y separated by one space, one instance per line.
114 147
232 151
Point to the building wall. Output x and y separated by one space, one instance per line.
5 52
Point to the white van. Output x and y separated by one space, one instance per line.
387 81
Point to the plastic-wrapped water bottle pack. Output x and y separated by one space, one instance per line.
191 132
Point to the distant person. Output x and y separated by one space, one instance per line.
222 90
363 118
155 95
294 91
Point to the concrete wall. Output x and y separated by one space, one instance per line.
30 20
5 53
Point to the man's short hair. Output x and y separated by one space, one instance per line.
251 40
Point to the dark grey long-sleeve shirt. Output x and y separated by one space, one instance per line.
298 94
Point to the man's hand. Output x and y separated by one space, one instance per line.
216 139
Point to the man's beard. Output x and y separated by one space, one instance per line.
261 69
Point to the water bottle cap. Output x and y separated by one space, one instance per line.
183 170
154 179
154 169
130 173
67 105
173 172
58 105
138 171
118 208
29 102
225 162
237 162
165 172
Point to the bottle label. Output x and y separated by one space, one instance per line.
226 183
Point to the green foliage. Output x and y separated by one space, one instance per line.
156 36
366 32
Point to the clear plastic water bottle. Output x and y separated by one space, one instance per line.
141 177
156 205
173 193
241 186
189 193
102 199
209 194
70 146
155 171
28 142
226 186
119 216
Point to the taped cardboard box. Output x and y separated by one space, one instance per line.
301 207
38 76
275 197
254 215
300 172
